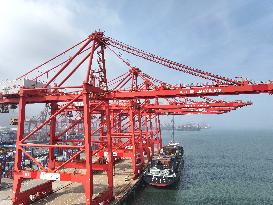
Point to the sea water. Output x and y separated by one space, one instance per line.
220 167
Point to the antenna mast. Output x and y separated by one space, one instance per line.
173 130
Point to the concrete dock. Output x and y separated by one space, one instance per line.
73 193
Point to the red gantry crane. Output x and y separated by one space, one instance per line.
126 110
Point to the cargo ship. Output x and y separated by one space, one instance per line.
165 169
187 127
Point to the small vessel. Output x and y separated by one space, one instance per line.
165 169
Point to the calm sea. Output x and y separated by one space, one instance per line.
221 167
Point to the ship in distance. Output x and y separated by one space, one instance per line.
187 127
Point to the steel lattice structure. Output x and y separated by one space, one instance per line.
126 110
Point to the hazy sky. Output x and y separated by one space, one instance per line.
230 38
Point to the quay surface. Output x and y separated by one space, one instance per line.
72 193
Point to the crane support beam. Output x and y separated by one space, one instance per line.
210 90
